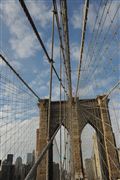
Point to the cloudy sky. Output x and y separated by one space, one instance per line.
100 67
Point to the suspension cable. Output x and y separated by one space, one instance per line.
96 57
15 72
103 160
60 118
103 146
38 161
100 29
82 42
93 30
111 90
40 40
60 36
105 137
118 126
50 94
64 109
64 17
93 115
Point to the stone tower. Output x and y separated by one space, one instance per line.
75 116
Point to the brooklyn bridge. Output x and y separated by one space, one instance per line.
59 90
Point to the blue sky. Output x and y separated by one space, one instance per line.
21 47
100 68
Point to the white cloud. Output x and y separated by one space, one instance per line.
23 42
16 64
40 79
114 109
5 111
56 93
78 16
87 139
105 82
18 120
25 47
41 12
92 13
77 19
56 50
87 91
75 52
1 62
19 139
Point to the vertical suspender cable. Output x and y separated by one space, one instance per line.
60 118
60 112
64 131
40 40
40 158
65 135
64 112
50 93
21 79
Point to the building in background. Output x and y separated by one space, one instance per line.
96 159
90 174
92 165
30 158
119 154
18 170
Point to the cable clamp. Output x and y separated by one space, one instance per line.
54 11
51 61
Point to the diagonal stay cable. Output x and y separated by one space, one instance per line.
111 90
90 75
38 161
92 114
6 82
50 95
102 23
108 141
102 133
19 76
97 34
95 107
40 40
101 50
115 114
103 160
85 118
93 31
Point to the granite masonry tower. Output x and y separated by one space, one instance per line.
74 117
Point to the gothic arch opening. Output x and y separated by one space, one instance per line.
61 143
90 153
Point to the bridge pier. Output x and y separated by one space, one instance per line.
74 122
109 140
76 143
42 140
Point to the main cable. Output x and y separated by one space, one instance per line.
50 96
82 42
40 40
60 35
64 18
15 72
